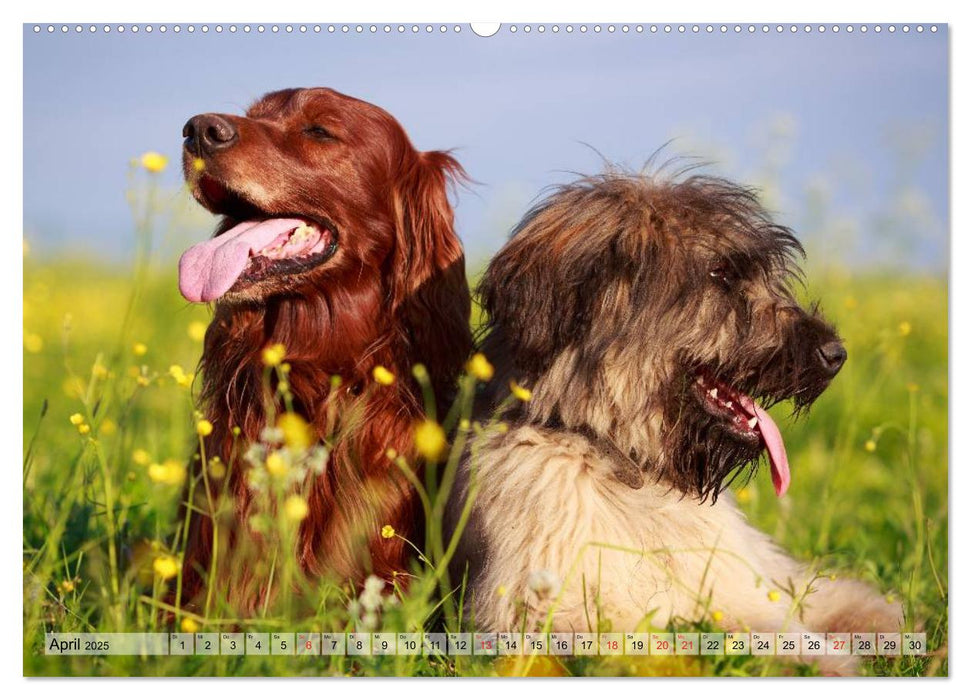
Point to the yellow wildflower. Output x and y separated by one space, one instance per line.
480 368
181 377
297 433
165 567
99 370
391 453
717 616
383 376
296 508
520 392
171 472
197 331
276 464
204 427
189 625
904 328
774 596
33 343
67 586
430 440
73 387
273 354
216 468
139 349
141 457
84 428
870 445
387 532
76 419
154 162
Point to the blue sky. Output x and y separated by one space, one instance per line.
848 132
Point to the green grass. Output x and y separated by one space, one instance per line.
869 494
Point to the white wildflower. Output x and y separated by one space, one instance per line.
373 584
544 583
317 459
257 479
255 454
371 601
271 435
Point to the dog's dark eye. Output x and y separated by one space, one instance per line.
722 274
318 132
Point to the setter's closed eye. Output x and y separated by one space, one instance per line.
315 131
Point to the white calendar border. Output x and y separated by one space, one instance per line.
511 10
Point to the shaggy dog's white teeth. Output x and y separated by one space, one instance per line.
713 393
752 422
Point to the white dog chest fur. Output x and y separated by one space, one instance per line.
557 534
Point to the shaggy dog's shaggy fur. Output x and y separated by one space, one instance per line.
648 317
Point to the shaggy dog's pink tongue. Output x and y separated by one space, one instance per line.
773 444
208 270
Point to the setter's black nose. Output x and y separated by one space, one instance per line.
207 133
831 355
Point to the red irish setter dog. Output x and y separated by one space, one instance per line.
336 241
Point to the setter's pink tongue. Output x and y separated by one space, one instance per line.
773 444
208 270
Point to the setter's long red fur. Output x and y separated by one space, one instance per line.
392 293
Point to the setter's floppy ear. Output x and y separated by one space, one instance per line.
430 292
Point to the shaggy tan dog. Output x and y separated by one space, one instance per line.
653 322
